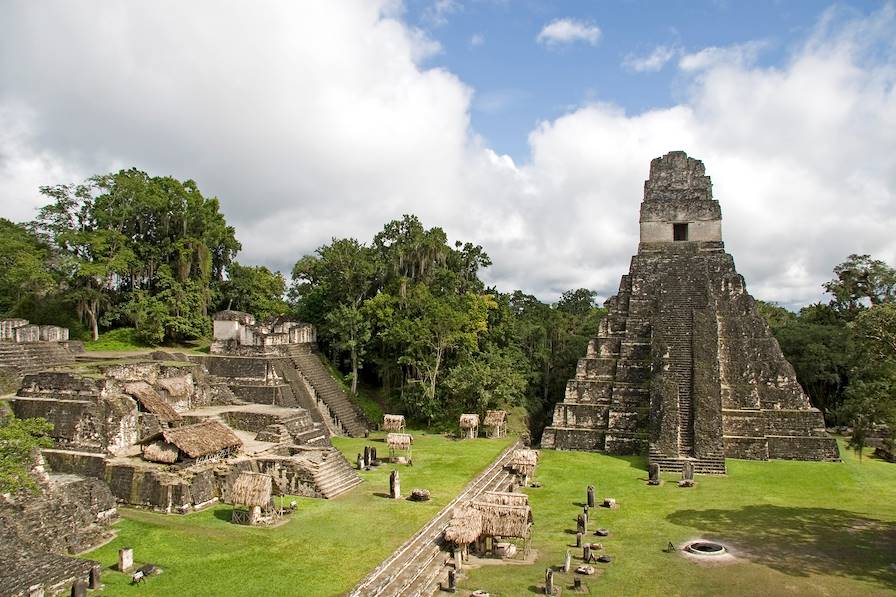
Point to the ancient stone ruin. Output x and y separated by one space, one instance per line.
276 362
683 365
69 514
165 433
28 348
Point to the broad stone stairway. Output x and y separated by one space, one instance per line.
680 296
19 359
342 410
333 475
414 568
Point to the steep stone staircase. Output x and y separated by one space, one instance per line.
18 359
681 295
345 413
333 475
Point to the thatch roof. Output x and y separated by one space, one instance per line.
393 422
251 489
524 460
469 421
504 521
495 417
150 400
401 441
161 452
465 525
199 439
504 498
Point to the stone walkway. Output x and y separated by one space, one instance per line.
415 568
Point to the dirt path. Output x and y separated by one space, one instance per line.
415 567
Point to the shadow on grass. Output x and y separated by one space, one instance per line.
803 541
225 514
634 461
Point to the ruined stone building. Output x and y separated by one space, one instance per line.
683 366
173 431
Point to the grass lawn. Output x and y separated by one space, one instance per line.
798 528
326 547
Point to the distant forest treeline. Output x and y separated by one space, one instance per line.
405 317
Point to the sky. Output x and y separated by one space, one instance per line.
524 126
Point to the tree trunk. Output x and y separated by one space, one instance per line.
94 329
354 371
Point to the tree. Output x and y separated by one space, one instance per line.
126 237
861 281
92 258
23 267
19 441
256 290
486 380
331 287
351 332
875 328
432 328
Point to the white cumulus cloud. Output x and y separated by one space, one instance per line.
652 62
566 31
321 120
738 55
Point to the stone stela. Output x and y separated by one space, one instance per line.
683 366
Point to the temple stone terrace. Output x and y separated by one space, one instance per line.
683 365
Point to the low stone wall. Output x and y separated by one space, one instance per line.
70 516
256 368
580 415
294 475
105 423
85 464
574 439
169 492
803 448
746 448
249 421
277 395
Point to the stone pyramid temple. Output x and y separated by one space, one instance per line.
683 366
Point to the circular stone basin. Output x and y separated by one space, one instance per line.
706 548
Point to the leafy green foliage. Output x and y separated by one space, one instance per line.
19 439
436 340
253 289
861 281
23 267
138 249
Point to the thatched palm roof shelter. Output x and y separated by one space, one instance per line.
523 462
151 402
465 526
207 439
504 498
252 489
399 442
505 521
469 422
393 422
496 422
161 452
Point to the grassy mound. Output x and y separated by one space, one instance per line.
325 548
796 528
